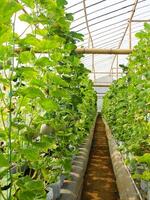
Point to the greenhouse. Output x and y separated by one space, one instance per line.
74 100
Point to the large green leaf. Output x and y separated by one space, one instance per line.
31 189
27 73
41 62
61 93
57 80
26 57
48 104
7 9
47 44
27 18
30 41
5 33
31 92
43 32
5 52
30 153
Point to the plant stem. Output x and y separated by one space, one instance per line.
9 134
10 113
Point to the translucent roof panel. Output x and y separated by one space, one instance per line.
105 24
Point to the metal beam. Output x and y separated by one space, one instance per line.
144 20
129 21
87 51
90 36
103 51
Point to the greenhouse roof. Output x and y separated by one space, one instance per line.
107 25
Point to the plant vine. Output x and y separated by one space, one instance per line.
47 100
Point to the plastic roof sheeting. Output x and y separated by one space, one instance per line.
105 27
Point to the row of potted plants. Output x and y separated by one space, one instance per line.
126 108
47 101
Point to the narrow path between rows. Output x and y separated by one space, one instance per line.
99 182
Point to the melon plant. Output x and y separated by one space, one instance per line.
42 83
126 106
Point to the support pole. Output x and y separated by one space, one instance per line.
131 17
90 37
144 20
117 67
87 51
130 36
103 51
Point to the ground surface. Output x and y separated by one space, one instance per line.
99 182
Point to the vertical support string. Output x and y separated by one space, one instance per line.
90 39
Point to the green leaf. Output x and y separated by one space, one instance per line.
147 26
3 161
61 3
140 34
5 52
4 80
30 40
37 82
70 46
27 57
48 105
69 16
41 62
57 80
61 93
7 9
144 159
30 153
57 56
5 33
31 92
27 18
26 195
43 32
47 44
27 73
31 189
78 36
2 134
75 60
29 3
146 175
